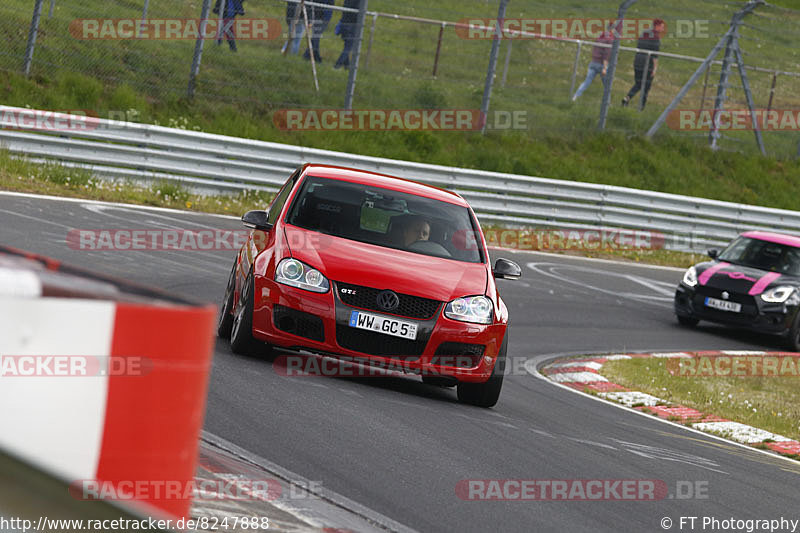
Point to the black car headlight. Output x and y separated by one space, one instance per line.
298 274
478 309
780 294
690 277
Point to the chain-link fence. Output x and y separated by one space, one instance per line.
414 55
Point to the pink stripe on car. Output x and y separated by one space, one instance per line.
762 283
710 271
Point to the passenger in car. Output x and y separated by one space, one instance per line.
416 229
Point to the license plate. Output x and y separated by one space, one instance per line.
383 324
723 305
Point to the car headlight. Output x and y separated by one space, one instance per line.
690 277
478 309
778 295
297 274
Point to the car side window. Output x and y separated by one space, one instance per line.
280 200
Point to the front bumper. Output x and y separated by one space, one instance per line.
296 319
755 314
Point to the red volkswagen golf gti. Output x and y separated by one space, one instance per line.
377 269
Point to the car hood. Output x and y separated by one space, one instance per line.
738 278
386 268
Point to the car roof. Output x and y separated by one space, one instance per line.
780 238
364 177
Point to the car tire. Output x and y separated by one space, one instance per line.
793 341
487 393
688 321
242 341
225 319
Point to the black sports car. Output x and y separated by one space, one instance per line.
754 283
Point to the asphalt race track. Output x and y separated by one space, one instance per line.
399 446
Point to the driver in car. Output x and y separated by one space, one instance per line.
416 229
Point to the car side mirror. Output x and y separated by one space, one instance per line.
505 269
256 220
713 253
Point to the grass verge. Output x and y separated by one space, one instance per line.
769 403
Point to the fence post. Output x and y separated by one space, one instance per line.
487 90
371 36
144 10
575 69
438 49
772 89
749 96
351 79
34 29
722 88
52 7
612 65
508 60
198 49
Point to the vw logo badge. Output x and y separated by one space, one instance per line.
725 295
388 300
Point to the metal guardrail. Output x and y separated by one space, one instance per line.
212 163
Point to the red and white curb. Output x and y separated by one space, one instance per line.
583 374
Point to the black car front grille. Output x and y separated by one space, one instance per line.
367 298
373 343
458 354
748 312
298 323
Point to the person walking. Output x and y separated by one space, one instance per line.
232 8
599 62
318 19
347 31
297 28
649 40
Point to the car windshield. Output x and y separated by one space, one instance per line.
386 218
764 255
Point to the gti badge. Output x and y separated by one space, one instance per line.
388 300
725 295
347 291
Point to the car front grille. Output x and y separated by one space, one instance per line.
373 343
749 307
367 298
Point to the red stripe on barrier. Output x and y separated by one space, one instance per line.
153 422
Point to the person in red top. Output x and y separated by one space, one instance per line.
599 63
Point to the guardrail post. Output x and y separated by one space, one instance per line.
487 90
32 32
198 49
612 65
351 79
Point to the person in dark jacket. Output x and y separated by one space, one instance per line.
347 31
318 20
232 8
649 40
